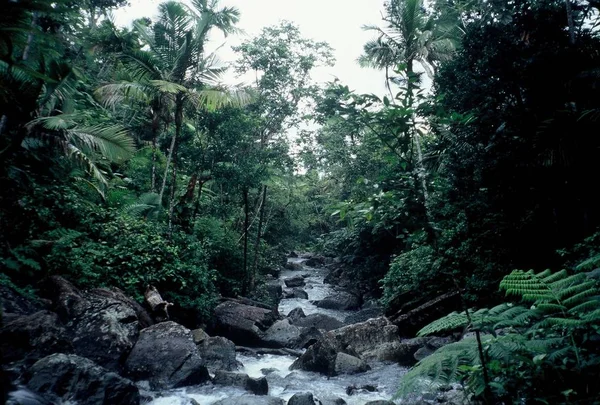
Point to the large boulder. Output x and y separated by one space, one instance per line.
298 293
274 292
258 386
243 324
251 400
319 321
296 281
218 353
77 379
359 340
397 351
166 355
295 266
341 300
33 337
282 334
347 364
103 324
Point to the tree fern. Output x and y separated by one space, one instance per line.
542 334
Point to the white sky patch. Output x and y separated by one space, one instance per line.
337 22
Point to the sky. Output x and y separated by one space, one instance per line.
337 22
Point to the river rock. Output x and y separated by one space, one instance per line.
380 402
309 336
299 293
251 400
243 324
340 301
401 352
319 321
166 356
218 353
103 324
359 340
282 334
296 281
274 292
315 261
302 398
363 315
33 337
77 379
295 314
294 266
346 364
332 401
258 386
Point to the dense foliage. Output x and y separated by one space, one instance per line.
125 162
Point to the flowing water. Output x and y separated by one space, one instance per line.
378 383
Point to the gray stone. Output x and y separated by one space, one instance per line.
299 293
218 353
77 379
166 356
302 398
243 324
340 301
346 364
380 402
282 334
359 340
332 401
258 386
199 335
319 321
297 281
295 314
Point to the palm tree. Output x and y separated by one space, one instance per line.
411 35
174 73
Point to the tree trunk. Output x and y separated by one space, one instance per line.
155 124
29 38
570 22
246 221
173 153
178 121
261 216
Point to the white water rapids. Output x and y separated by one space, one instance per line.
283 383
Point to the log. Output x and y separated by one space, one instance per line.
159 307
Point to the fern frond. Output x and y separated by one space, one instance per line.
454 320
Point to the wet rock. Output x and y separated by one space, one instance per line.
359 340
258 386
267 371
32 337
340 301
364 315
274 292
295 314
218 353
15 304
103 324
380 402
296 281
299 293
166 356
243 324
302 398
293 266
293 254
77 379
309 336
282 334
319 321
346 364
353 389
251 400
